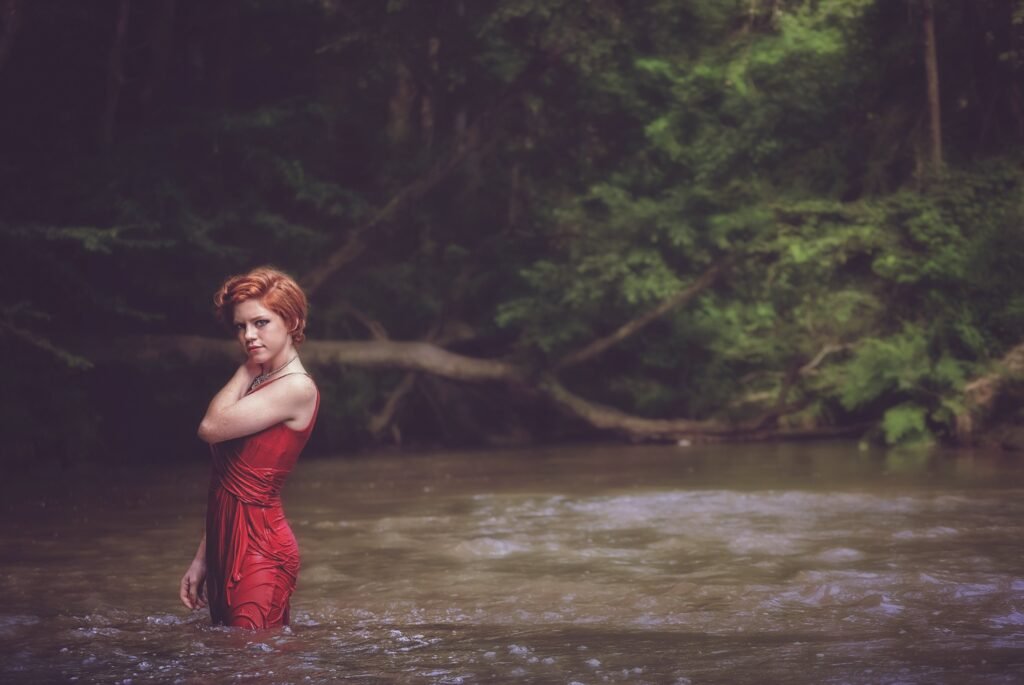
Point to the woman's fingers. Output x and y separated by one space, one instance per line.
199 595
193 592
185 592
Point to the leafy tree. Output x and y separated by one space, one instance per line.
717 215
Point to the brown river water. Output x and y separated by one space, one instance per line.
809 563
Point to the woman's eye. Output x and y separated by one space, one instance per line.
261 323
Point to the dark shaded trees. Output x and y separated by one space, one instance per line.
10 12
931 65
694 219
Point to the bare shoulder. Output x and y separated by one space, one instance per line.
298 386
299 393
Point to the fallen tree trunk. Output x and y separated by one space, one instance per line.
410 356
641 428
610 419
981 394
428 358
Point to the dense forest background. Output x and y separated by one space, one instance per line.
517 219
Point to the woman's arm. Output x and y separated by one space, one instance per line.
193 583
234 389
233 414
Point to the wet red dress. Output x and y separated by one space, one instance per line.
252 560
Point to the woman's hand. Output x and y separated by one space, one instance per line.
249 370
289 397
193 585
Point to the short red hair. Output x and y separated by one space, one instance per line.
276 290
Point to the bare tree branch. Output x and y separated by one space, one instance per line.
411 356
823 353
980 395
354 244
470 142
380 421
423 357
676 430
601 345
610 419
69 358
375 327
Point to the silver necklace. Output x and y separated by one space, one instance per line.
262 378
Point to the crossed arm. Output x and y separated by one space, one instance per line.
233 414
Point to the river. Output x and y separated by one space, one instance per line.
805 563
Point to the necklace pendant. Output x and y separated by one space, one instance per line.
263 377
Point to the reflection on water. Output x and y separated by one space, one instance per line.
806 563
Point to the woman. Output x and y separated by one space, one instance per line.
247 562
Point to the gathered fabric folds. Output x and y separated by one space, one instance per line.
252 558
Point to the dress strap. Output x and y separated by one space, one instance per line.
293 373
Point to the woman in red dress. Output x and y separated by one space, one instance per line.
247 562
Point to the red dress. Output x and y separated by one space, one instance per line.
252 560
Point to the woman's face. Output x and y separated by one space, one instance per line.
262 333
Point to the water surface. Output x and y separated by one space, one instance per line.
810 563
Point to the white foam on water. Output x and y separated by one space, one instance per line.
11 624
596 585
164 620
1014 618
771 544
489 548
972 590
840 555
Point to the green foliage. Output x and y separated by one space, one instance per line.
877 296
899 364
10 315
616 155
905 423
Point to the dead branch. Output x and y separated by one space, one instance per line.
375 328
424 357
471 141
411 356
601 345
380 421
980 395
611 419
354 243
823 353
